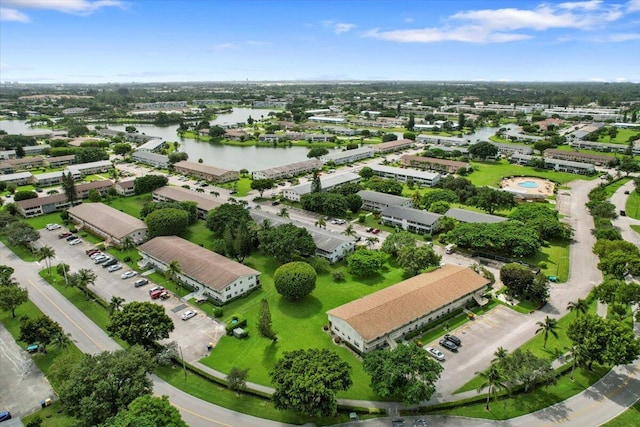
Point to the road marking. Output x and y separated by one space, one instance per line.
202 416
65 315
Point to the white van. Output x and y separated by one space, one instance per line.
449 248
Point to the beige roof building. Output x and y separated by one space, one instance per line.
377 319
211 275
205 202
109 223
202 171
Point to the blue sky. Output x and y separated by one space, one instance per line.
96 41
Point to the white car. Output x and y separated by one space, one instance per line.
128 274
435 353
188 314
97 255
51 227
114 267
75 242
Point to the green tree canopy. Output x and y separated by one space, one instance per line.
511 238
11 297
148 411
141 323
414 260
396 241
317 152
365 262
306 381
148 183
483 150
490 200
167 222
41 330
295 280
406 372
262 185
285 242
227 215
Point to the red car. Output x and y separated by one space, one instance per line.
64 235
90 252
375 231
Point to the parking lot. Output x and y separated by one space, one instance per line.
192 335
22 384
480 338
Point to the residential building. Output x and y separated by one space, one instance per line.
204 202
329 244
447 141
321 137
59 161
521 159
509 149
43 205
340 130
598 114
382 317
18 178
83 169
206 172
152 159
108 223
464 215
432 163
569 166
604 147
271 137
326 183
348 156
577 156
209 274
152 145
161 104
286 171
7 154
429 179
74 110
391 146
15 165
236 135
101 187
411 219
126 188
32 150
47 179
375 201
323 119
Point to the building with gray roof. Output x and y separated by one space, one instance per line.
464 215
204 202
289 170
152 145
348 156
429 179
376 201
18 178
326 182
411 219
152 159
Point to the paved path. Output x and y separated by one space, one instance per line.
619 199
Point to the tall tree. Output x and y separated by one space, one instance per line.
262 184
115 304
69 187
39 330
577 353
147 411
174 269
321 222
141 323
97 387
295 280
493 380
11 297
406 372
285 242
46 253
82 279
264 321
316 184
548 326
306 381
489 199
396 241
580 306
237 379
415 260
227 215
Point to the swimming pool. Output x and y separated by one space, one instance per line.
528 184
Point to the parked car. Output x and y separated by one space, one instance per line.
95 255
275 203
420 423
5 415
188 314
128 274
140 282
448 345
398 423
156 288
164 295
72 237
114 267
51 227
623 213
101 259
91 251
75 242
157 293
375 231
64 235
435 353
454 339
109 263
369 229
626 192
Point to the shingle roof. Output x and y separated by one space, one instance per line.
200 167
387 199
392 144
326 182
406 172
111 221
201 264
41 201
464 215
384 311
180 194
411 214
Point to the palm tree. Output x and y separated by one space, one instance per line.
372 240
83 279
500 355
214 193
127 243
578 354
61 339
172 271
580 306
321 222
416 198
46 253
115 304
494 380
547 327
349 231
284 213
114 174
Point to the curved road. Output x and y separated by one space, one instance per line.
616 391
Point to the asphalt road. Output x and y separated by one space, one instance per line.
624 222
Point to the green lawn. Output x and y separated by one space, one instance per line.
584 150
614 186
630 417
299 325
510 407
633 205
52 416
556 256
636 228
491 173
622 136
130 205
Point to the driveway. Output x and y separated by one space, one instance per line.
22 384
192 335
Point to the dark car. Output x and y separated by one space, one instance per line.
72 237
626 192
109 263
448 345
623 213
140 282
5 415
398 423
454 339
275 203
64 235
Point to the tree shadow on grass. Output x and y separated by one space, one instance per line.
370 280
309 306
269 355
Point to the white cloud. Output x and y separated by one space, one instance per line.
509 24
624 37
633 6
78 7
7 14
338 27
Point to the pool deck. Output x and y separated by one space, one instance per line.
542 187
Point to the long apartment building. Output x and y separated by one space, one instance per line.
577 156
432 163
204 202
287 171
429 179
206 172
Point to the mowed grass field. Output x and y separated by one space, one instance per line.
491 173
